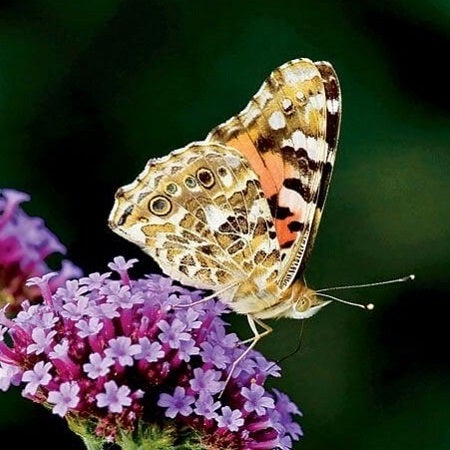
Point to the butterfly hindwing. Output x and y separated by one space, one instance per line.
288 132
201 214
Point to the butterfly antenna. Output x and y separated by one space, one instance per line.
377 283
369 306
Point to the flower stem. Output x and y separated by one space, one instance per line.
81 429
92 444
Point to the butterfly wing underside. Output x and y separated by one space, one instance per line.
201 214
245 204
288 132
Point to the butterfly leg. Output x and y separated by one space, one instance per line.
256 334
252 321
198 302
205 299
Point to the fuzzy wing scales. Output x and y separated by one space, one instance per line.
288 133
201 214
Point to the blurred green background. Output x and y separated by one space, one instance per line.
89 90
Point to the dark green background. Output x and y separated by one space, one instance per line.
89 90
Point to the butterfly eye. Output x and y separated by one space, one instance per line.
171 188
303 304
190 182
160 206
206 177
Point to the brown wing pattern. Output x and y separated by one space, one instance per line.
288 133
201 214
333 121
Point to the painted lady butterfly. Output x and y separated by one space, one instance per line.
237 213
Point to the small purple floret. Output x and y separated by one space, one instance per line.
115 351
25 244
178 403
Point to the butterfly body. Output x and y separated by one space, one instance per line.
296 302
237 213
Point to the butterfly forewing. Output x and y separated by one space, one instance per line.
288 132
201 214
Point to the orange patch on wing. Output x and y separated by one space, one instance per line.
268 167
284 234
272 171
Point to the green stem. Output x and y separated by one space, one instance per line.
145 437
92 444
81 429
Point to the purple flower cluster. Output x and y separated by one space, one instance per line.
25 243
118 353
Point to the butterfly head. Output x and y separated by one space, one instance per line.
307 307
305 302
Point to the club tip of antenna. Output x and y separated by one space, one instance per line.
412 277
370 306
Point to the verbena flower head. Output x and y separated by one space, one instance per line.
123 363
25 243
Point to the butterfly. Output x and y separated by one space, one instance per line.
238 212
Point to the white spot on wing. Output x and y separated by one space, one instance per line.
315 148
333 106
298 139
288 197
300 96
317 101
227 179
277 120
287 103
295 74
215 217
